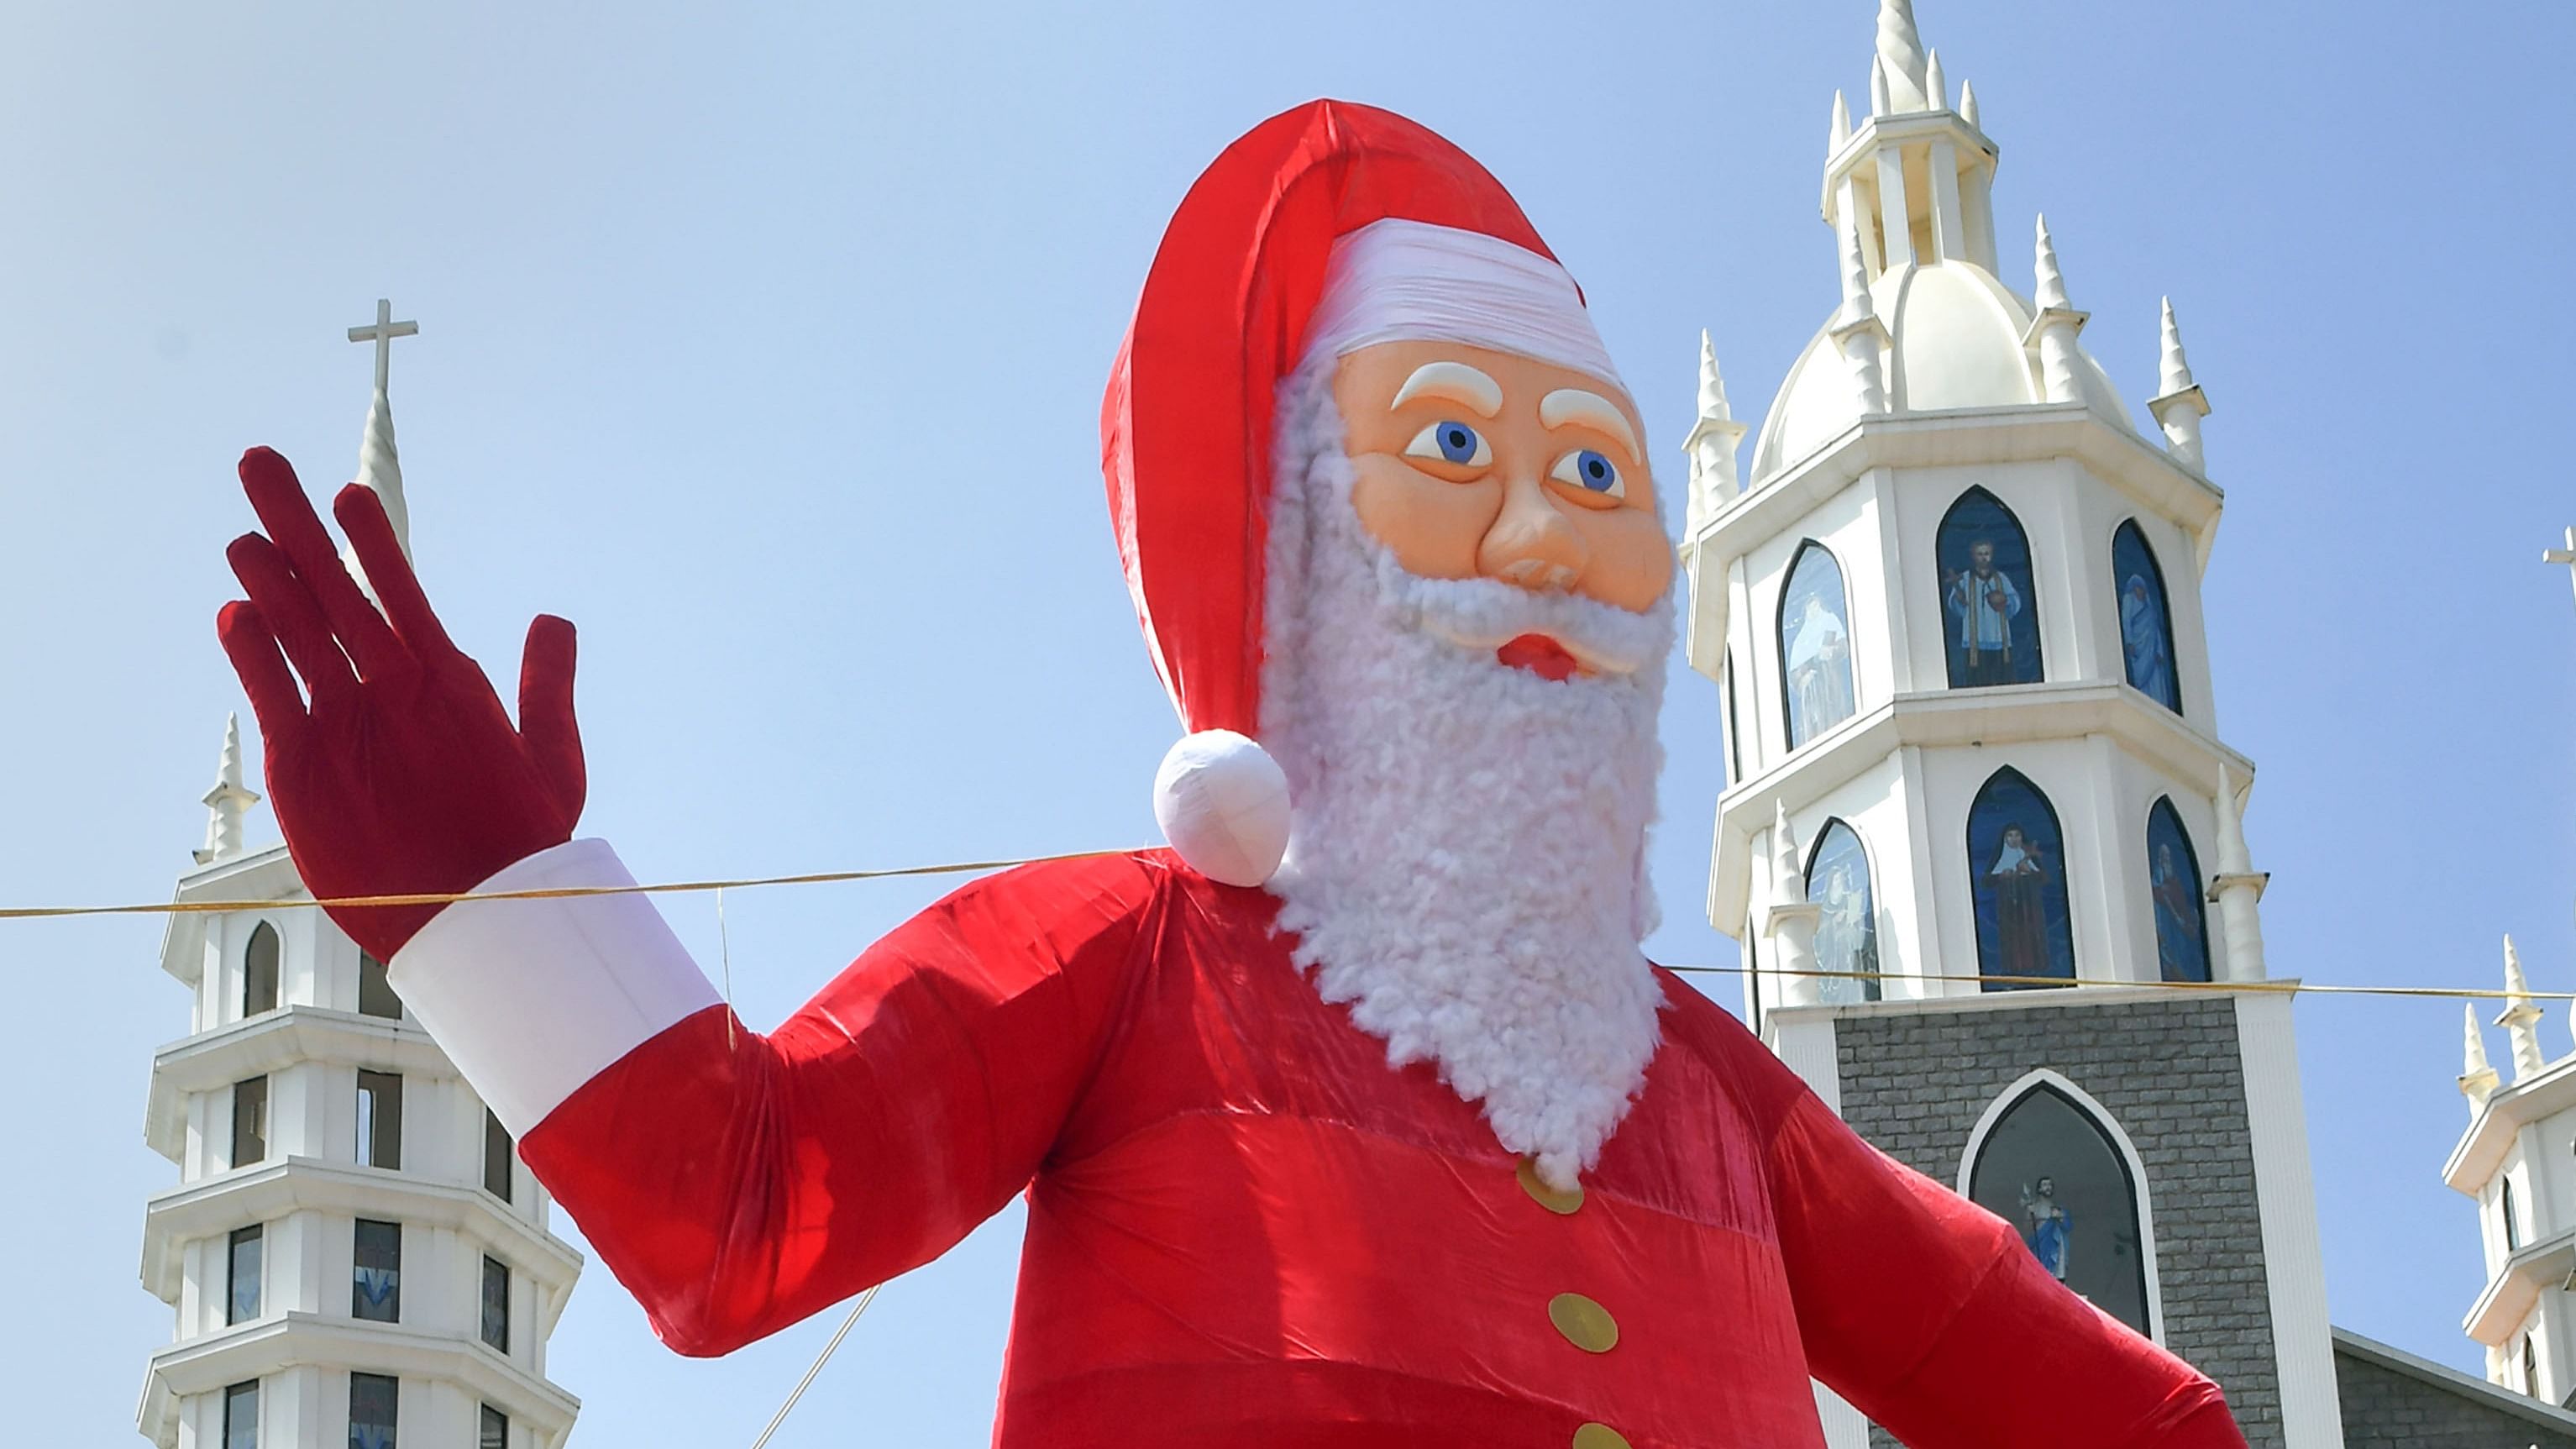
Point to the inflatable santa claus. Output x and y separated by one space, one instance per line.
1354 1119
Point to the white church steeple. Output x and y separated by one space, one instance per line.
227 802
352 1252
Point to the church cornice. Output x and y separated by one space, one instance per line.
2481 1150
2506 1304
274 1041
1965 438
1951 719
272 1345
270 1191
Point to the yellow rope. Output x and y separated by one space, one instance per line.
966 867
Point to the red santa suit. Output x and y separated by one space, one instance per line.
1246 1227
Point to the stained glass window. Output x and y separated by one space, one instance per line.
250 1122
2017 863
495 1432
1989 609
2048 1168
498 1153
379 1119
2146 626
1815 645
375 1288
496 1304
1847 925
375 1402
2174 884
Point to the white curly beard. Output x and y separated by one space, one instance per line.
1466 863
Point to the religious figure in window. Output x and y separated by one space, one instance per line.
1986 608
2024 931
2049 1163
2173 882
2020 878
1847 926
1815 645
2146 630
2051 1230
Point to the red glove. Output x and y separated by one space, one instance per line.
394 771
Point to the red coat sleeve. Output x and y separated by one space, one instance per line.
736 1182
1929 1315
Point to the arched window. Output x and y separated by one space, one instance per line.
2146 625
1847 929
2051 1170
2530 1368
1989 612
2512 1219
1815 645
2018 867
259 971
2173 879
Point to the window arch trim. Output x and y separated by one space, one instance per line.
1789 740
2066 881
1874 990
2141 1193
2164 609
2030 606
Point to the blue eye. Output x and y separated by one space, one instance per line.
1590 471
1451 442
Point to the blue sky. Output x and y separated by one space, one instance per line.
768 347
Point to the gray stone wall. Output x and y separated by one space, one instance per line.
1914 1083
2386 1408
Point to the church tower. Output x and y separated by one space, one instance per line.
353 1253
1953 607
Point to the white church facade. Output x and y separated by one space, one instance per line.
1982 844
352 1253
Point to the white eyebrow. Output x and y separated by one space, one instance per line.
1454 380
1574 405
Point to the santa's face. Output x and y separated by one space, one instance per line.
1473 463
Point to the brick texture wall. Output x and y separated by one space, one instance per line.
2386 1409
1915 1083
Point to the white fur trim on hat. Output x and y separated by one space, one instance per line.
1223 804
1396 280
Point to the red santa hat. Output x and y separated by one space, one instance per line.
1325 229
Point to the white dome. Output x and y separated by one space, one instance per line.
1957 334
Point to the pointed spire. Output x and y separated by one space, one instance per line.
2052 282
1788 877
2477 1076
1840 134
1859 333
227 802
1712 443
1900 55
1879 103
2179 404
1712 387
2520 1017
2175 373
2238 888
1968 104
380 467
1936 89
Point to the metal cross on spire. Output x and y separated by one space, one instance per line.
382 333
2565 555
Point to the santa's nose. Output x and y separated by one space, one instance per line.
1532 543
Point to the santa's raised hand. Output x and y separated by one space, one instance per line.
393 767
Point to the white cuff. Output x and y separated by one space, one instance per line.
533 998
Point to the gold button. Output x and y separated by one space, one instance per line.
1586 1324
1558 1200
1599 1436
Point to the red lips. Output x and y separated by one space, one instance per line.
1540 655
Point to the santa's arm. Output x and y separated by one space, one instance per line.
736 1182
1929 1315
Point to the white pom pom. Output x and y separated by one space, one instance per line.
1223 804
